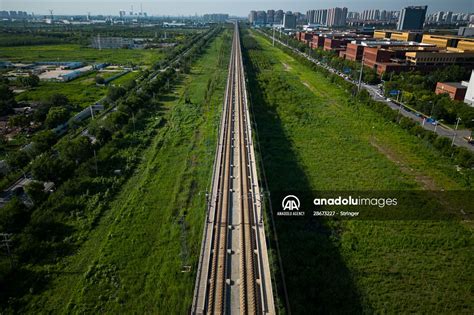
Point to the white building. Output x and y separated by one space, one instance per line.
469 98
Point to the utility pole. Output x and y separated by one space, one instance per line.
455 129
360 76
399 110
5 242
133 120
437 123
96 167
273 36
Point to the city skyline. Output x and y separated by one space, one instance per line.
188 8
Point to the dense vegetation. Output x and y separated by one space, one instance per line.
310 141
29 34
90 175
417 90
54 103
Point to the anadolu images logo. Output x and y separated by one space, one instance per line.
291 203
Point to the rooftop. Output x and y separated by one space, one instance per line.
457 85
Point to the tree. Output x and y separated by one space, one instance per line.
56 116
48 167
13 216
17 159
58 99
114 93
19 121
101 130
35 190
41 112
130 85
30 81
43 141
99 79
7 100
77 150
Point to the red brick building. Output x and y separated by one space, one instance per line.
455 90
374 55
304 37
317 41
332 44
354 52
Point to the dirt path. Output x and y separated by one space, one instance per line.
287 67
426 182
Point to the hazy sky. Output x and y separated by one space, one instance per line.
233 7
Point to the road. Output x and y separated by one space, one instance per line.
377 94
234 273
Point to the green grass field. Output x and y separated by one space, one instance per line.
132 261
125 78
313 137
81 91
72 52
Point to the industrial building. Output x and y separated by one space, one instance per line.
406 36
450 42
99 42
425 59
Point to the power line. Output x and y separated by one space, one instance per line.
5 243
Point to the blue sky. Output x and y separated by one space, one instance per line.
234 7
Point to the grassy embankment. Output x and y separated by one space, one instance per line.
314 137
133 260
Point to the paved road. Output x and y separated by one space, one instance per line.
376 93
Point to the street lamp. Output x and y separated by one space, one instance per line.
360 76
455 129
437 123
457 123
432 108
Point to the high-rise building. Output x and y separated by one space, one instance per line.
320 16
448 16
252 17
336 17
270 16
353 15
289 20
412 18
438 17
261 18
215 17
278 18
310 16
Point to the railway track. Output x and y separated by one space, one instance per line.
234 275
